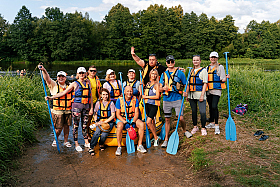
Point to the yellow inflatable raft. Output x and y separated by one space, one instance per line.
112 137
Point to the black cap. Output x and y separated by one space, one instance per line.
170 57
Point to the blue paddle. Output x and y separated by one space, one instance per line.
57 145
129 143
173 142
162 132
230 125
148 140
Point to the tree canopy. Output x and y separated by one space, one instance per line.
164 31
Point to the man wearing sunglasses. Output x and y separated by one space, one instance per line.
95 88
61 107
148 66
172 83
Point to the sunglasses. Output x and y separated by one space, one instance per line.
213 57
92 70
170 61
196 55
82 73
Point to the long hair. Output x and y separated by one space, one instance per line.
157 77
104 90
107 77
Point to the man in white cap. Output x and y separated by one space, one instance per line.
132 82
61 107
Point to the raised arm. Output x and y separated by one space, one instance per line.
46 76
139 61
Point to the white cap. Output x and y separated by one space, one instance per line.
214 53
109 71
131 70
61 73
81 69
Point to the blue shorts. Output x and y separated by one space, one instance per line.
129 121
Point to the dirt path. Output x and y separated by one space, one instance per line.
42 165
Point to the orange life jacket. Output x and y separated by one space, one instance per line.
82 94
130 110
214 81
63 102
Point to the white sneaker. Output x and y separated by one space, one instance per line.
188 134
210 125
217 130
156 142
87 144
119 151
164 145
79 149
141 149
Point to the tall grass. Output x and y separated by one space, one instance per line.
260 90
22 110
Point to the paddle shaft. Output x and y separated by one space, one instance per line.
57 145
123 96
227 84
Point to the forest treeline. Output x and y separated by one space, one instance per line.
73 36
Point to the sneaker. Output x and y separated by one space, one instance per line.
79 149
141 149
119 151
203 132
195 129
217 130
188 134
87 144
210 125
164 145
156 142
54 143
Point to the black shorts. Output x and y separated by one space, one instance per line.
151 110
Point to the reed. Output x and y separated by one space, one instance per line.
22 111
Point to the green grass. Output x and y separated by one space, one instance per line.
22 110
198 159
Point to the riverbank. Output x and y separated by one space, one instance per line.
210 159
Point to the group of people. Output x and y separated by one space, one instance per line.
117 103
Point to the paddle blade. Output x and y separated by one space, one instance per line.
148 140
162 132
230 129
129 144
173 143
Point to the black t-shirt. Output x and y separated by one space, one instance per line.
160 68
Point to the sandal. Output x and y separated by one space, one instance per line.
54 143
264 137
102 148
91 152
67 144
258 133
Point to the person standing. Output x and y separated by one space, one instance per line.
60 107
132 82
216 82
196 94
172 83
82 105
151 96
112 85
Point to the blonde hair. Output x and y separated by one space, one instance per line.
157 77
107 78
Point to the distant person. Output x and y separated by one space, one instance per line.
131 105
132 82
172 83
61 106
196 94
216 82
82 105
112 85
148 66
104 113
95 87
151 96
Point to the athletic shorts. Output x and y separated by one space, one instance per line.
59 120
151 110
117 121
169 105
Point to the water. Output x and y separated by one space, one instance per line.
71 70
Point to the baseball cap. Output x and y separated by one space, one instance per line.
214 53
109 71
170 57
81 69
61 73
131 70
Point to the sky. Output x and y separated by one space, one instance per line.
242 11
